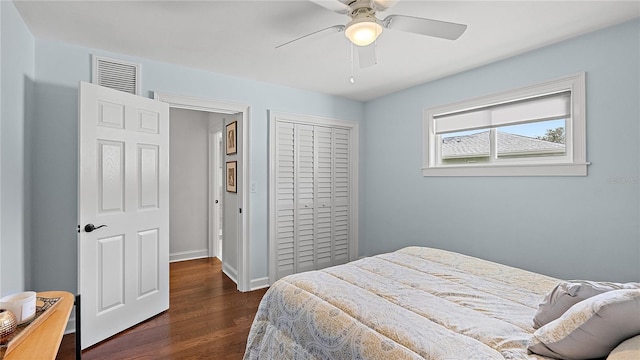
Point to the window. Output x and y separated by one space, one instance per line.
537 130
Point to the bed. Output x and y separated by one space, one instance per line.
414 303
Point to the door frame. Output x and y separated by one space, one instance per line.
222 107
215 165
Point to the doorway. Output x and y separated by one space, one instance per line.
195 183
236 209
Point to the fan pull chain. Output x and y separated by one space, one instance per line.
351 79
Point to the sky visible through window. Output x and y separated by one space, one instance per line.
531 130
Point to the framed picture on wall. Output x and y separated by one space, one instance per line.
232 176
232 137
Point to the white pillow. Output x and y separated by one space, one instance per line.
591 328
568 293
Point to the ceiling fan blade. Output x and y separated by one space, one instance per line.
428 27
382 5
316 34
333 5
367 55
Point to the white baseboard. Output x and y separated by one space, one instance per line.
188 255
230 272
259 283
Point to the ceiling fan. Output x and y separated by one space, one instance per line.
364 27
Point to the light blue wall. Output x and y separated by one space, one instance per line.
585 227
582 227
60 66
17 73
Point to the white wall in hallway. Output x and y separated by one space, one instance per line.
188 184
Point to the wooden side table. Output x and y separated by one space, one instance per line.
44 341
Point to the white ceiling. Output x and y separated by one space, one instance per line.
238 37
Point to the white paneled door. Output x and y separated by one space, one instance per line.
123 210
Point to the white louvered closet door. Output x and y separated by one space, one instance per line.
312 194
304 180
324 197
341 196
285 200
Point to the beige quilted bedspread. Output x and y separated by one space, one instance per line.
410 304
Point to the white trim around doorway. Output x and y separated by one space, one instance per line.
215 166
207 105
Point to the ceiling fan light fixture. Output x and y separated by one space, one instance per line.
363 31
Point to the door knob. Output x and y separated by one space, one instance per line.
91 227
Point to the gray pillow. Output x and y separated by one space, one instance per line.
591 328
568 293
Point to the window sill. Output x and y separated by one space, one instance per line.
509 170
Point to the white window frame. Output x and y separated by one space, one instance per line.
572 164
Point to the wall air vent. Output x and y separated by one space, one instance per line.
116 74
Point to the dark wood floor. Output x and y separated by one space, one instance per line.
207 319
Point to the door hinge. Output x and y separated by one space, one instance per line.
240 209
